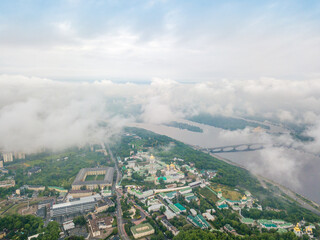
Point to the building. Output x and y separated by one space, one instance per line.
169 195
3 170
174 208
34 170
139 194
74 207
180 207
297 230
106 193
208 216
7 183
268 224
169 214
193 212
68 225
2 235
1 164
7 157
36 187
285 225
104 205
195 184
211 211
19 155
107 179
228 228
169 226
198 221
155 207
185 190
80 193
98 224
277 221
142 230
223 206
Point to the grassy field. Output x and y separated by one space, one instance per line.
94 177
90 178
227 192
4 205
100 177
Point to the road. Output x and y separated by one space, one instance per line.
121 229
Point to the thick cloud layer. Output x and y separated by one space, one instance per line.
38 112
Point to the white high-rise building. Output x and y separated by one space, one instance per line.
7 157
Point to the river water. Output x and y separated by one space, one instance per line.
299 171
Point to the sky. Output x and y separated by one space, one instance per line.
188 41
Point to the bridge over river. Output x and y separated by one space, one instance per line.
236 148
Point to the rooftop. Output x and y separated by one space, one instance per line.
108 176
180 207
77 202
174 208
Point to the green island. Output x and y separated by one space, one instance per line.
184 126
228 123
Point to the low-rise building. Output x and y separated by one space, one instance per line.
34 170
155 207
77 206
68 225
208 216
198 221
277 221
185 190
4 171
285 225
228 228
106 193
170 227
211 211
2 235
80 193
142 230
139 194
36 188
193 212
7 183
180 207
169 214
103 205
98 224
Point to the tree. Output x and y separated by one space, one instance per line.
80 220
158 173
162 209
